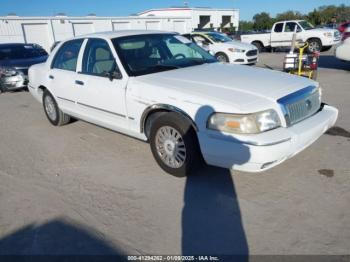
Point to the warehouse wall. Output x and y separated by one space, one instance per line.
47 30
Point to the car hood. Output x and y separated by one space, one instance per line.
22 63
240 45
323 30
226 83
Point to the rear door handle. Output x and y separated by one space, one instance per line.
51 77
78 82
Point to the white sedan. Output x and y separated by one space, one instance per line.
224 48
159 87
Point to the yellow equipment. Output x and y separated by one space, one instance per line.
303 64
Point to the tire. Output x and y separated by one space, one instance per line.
315 45
174 145
52 111
258 45
222 57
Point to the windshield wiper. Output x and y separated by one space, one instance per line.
164 67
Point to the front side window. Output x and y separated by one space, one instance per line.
98 58
67 56
278 28
152 53
290 27
201 40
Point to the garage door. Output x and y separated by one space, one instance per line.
152 25
180 26
121 26
82 28
37 34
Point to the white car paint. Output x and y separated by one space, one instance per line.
328 37
247 55
343 51
195 92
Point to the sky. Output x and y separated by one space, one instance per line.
126 7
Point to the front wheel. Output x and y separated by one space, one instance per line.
52 111
315 45
174 145
221 57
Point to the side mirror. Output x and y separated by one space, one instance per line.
115 74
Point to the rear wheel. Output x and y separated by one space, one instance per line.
174 145
315 45
52 111
221 57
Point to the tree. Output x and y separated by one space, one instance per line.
262 21
314 17
245 26
289 15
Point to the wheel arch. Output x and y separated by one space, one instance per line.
153 111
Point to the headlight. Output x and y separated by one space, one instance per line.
8 71
244 124
236 50
328 34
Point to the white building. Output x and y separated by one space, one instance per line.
47 30
201 17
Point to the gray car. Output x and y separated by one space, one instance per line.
15 59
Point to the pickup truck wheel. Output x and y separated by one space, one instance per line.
52 111
174 145
221 57
315 45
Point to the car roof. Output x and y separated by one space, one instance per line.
7 45
123 33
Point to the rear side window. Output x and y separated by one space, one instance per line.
278 28
98 58
67 56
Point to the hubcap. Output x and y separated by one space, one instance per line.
222 59
314 47
170 147
50 108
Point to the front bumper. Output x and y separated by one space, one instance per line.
257 153
331 41
9 83
243 58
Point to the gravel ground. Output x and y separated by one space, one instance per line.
82 189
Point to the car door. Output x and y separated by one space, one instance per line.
101 97
276 35
63 73
288 31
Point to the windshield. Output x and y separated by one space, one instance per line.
21 52
153 53
306 25
218 38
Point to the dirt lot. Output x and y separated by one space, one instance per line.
81 189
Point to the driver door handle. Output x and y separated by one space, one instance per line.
78 82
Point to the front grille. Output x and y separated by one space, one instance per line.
252 60
252 52
301 104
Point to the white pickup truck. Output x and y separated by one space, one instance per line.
319 39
